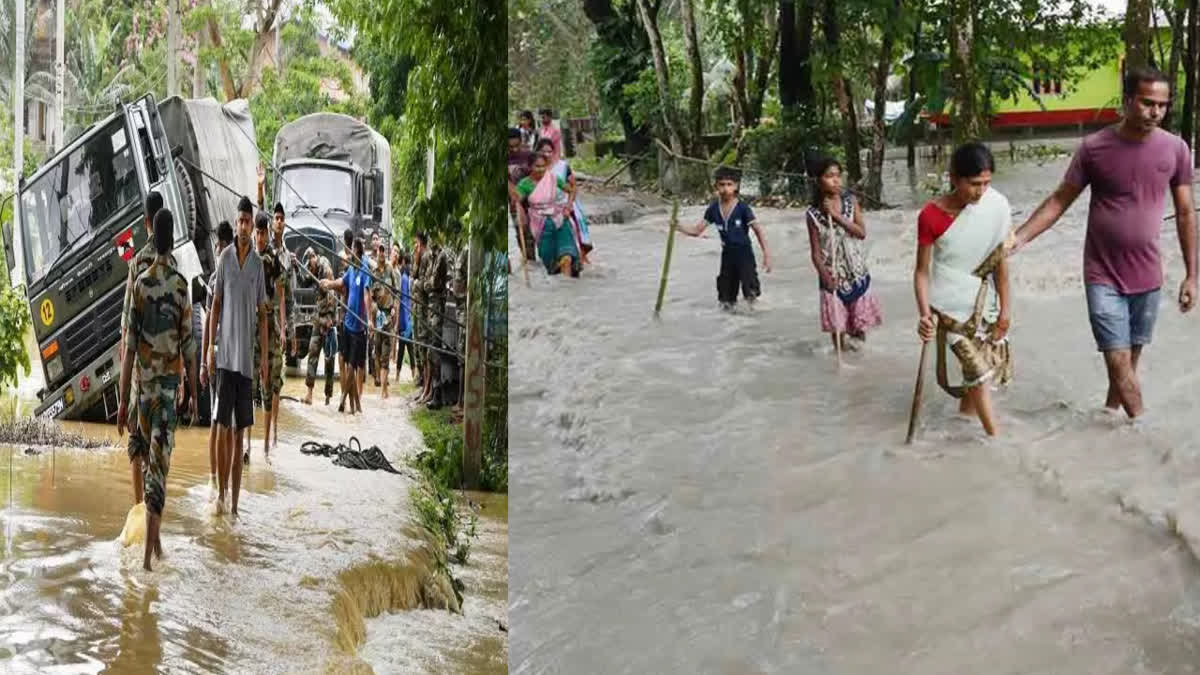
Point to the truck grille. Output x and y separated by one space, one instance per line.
96 329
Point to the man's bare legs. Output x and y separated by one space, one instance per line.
212 452
224 461
236 470
139 484
1123 387
267 432
275 422
152 543
384 379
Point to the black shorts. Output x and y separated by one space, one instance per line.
356 349
233 399
737 269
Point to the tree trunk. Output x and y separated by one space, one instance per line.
841 90
473 371
1178 32
661 76
789 60
741 100
227 86
1137 33
619 31
762 64
874 184
696 100
911 157
1187 123
968 122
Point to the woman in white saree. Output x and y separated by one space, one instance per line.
961 281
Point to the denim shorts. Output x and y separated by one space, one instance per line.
1120 321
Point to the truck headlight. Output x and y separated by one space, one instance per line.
54 368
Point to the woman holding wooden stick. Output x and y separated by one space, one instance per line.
961 281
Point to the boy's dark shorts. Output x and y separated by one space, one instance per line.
738 268
233 400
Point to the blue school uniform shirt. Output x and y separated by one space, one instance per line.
735 231
357 281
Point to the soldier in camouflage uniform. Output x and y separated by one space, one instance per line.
433 282
284 302
276 323
140 263
384 299
421 258
323 325
159 323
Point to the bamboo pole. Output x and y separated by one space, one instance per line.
662 284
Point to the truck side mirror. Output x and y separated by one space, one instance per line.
377 214
379 188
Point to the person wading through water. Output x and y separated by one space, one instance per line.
239 316
324 336
734 219
208 359
1130 167
160 338
357 284
138 445
272 357
961 281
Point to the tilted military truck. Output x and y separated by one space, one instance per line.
81 219
333 173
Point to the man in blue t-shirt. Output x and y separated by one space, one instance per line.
357 284
734 219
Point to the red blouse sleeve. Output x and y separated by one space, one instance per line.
931 224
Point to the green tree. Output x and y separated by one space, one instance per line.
451 98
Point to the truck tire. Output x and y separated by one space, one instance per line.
198 231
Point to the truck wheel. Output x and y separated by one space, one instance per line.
198 231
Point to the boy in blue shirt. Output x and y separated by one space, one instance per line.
734 219
357 284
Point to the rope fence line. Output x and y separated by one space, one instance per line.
770 172
304 266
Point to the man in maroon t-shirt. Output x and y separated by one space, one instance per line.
1129 167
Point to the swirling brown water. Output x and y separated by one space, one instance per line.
707 493
302 582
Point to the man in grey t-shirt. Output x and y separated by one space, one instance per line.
239 304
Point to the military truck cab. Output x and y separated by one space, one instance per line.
81 220
333 173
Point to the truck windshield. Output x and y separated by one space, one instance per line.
318 186
79 194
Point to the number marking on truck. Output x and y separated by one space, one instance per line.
47 312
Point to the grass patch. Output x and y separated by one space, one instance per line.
599 167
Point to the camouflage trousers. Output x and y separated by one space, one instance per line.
156 422
324 339
433 335
383 343
418 332
275 384
137 442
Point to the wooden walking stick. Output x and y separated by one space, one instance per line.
916 402
662 285
837 335
521 243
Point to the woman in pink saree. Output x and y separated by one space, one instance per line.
548 207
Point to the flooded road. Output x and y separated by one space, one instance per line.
296 584
708 493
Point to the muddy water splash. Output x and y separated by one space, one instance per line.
708 493
291 586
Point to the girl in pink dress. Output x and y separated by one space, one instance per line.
837 236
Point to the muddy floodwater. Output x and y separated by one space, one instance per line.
708 493
325 570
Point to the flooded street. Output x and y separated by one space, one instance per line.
303 581
707 492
